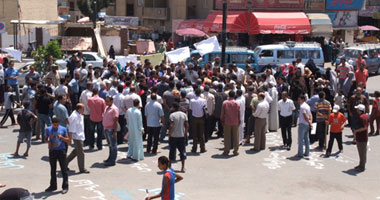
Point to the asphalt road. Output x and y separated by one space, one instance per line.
271 174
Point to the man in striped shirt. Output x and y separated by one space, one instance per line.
343 70
323 109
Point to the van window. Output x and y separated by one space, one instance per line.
266 53
373 53
351 53
241 58
301 54
285 54
212 56
314 54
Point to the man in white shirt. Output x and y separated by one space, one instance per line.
129 98
261 115
118 101
76 133
86 94
198 121
286 108
305 123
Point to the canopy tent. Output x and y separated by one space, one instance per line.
190 32
369 28
237 22
320 25
279 23
191 23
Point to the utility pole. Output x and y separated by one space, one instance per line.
224 27
95 13
19 25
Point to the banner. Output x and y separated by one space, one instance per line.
315 5
369 11
344 4
155 59
16 54
206 46
344 19
121 20
178 55
123 60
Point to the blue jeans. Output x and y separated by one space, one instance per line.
99 130
44 119
112 144
303 138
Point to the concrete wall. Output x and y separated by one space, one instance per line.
7 39
112 40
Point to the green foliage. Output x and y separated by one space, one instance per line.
42 54
87 7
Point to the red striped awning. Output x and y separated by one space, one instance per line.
237 22
191 23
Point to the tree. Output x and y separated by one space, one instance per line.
42 54
87 7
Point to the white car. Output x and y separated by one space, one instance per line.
25 68
91 58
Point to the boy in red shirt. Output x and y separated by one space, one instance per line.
337 121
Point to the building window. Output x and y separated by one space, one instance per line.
130 10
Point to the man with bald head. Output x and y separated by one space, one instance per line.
76 133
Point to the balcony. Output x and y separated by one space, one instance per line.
155 13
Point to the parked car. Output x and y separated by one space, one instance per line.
91 58
278 54
370 53
25 70
236 56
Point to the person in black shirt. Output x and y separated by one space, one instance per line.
44 105
25 119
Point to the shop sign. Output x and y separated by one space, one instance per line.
344 4
343 19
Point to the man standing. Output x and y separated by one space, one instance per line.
118 101
337 121
361 75
110 121
261 115
210 99
11 75
54 75
220 97
26 119
76 133
241 100
44 105
74 88
361 136
323 109
178 130
197 106
155 117
136 130
230 119
56 136
168 100
305 123
97 106
60 111
286 108
86 94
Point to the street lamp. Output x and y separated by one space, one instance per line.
224 27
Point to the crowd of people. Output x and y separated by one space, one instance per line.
142 102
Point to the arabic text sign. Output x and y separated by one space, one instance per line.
344 4
121 20
344 18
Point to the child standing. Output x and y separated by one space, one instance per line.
337 121
9 101
169 179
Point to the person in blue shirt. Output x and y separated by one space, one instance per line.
11 75
74 89
58 140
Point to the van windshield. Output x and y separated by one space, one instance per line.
241 58
352 53
257 51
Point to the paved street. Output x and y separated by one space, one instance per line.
270 174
